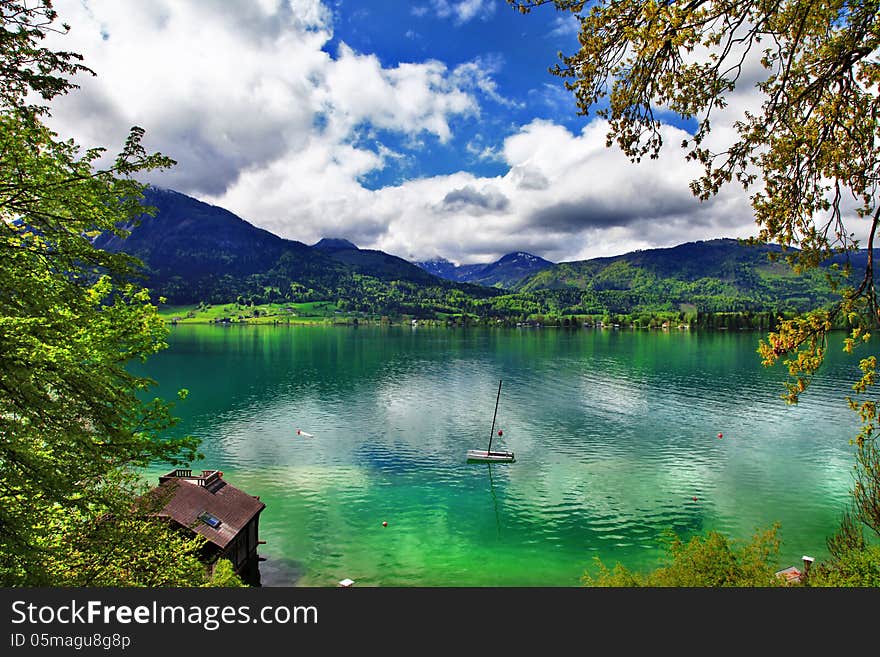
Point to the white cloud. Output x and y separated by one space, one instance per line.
565 25
411 98
483 152
237 89
475 202
477 74
469 9
460 12
564 197
267 124
220 91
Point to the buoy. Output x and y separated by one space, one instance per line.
500 432
300 432
720 435
384 524
695 499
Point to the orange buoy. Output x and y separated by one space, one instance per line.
720 435
384 524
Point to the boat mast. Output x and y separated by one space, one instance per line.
492 433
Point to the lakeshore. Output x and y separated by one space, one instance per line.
327 313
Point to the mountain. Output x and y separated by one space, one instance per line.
331 244
373 263
505 272
190 238
194 251
724 259
509 270
443 268
716 276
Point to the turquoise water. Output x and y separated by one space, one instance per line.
615 433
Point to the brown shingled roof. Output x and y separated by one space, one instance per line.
185 501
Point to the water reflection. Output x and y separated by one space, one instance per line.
614 432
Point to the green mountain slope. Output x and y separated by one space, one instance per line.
713 276
195 252
374 263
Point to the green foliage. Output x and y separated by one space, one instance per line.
255 269
853 561
72 419
27 66
856 567
712 277
708 560
223 575
124 547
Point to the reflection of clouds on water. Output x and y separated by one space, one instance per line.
330 519
308 508
266 432
611 449
422 418
766 481
608 499
613 397
435 408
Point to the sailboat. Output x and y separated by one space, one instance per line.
487 455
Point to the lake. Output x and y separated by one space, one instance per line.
615 434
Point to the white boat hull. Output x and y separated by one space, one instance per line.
490 457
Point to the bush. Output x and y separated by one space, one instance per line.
851 568
709 560
223 575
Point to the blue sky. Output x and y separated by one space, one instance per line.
513 50
423 129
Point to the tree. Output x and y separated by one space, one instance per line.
704 561
858 567
73 421
121 548
810 156
224 575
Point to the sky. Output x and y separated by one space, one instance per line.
424 129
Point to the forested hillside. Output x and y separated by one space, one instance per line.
721 275
198 253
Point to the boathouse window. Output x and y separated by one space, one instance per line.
210 520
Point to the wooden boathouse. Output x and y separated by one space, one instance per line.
208 505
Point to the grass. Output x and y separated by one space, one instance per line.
313 312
